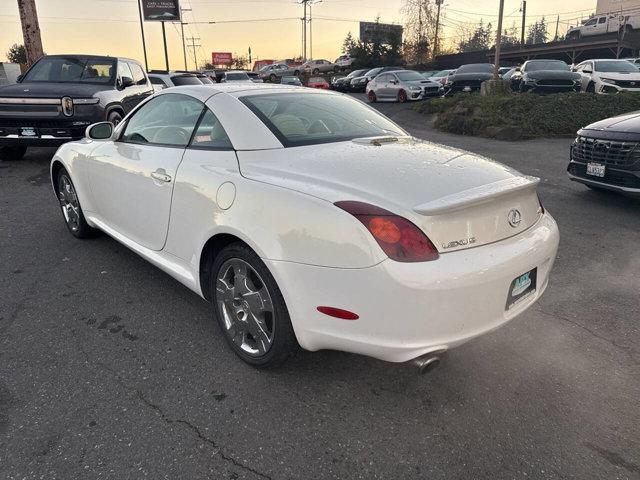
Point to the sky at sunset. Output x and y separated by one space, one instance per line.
111 26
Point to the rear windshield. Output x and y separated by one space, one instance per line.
615 66
543 65
308 118
73 70
476 68
206 80
237 76
179 80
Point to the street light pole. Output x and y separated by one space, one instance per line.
164 41
144 43
435 40
524 14
184 46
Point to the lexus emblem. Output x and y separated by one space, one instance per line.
633 83
514 217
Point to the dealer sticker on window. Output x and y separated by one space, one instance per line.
522 287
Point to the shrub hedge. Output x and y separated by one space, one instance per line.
525 115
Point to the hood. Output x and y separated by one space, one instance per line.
52 90
627 123
471 76
421 83
630 76
553 74
458 198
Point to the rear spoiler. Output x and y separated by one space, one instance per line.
476 195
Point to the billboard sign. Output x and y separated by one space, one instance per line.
380 32
221 58
161 10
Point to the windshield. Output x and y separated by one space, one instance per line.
206 80
441 73
373 72
409 76
621 66
185 80
356 73
476 68
237 76
543 65
73 70
308 118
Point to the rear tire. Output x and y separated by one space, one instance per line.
70 207
12 153
250 308
316 71
273 78
591 88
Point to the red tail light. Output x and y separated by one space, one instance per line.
400 239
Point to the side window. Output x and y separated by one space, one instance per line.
210 135
602 19
124 70
158 81
164 120
139 77
384 78
590 23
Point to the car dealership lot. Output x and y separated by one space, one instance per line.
111 369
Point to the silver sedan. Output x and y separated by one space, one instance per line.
401 86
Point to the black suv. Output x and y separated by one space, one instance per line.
60 95
606 155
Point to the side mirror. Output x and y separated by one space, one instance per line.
587 70
518 69
394 82
126 82
99 131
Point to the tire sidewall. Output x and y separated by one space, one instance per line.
84 230
283 335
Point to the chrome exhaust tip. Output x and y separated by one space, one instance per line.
428 361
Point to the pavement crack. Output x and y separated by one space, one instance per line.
195 429
624 348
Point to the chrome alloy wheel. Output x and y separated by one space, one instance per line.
245 306
69 203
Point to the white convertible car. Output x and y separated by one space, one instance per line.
310 220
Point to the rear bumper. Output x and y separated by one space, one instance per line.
410 309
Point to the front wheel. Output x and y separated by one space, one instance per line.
70 206
250 308
12 153
371 96
273 78
402 96
316 71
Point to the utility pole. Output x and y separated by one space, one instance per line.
30 30
166 52
555 37
523 9
310 33
496 76
184 45
194 45
435 40
144 43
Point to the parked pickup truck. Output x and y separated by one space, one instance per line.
61 95
602 24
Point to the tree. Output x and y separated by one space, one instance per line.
480 39
17 54
420 21
349 44
239 63
537 32
510 37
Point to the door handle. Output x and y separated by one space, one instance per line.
161 175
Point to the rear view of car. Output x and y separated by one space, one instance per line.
606 155
318 82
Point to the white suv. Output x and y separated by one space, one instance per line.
608 76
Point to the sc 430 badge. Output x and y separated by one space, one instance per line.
459 243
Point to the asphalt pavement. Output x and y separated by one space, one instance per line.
111 369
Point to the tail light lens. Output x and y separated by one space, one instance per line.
400 239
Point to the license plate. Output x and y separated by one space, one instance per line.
466 89
28 132
522 287
595 169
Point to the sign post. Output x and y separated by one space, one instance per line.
162 11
